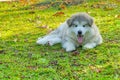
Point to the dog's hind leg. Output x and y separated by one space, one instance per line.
53 41
42 41
50 40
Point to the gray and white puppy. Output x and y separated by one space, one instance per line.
79 29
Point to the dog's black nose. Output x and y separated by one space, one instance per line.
80 32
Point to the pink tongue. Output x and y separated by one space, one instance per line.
80 39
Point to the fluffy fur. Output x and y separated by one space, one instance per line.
79 29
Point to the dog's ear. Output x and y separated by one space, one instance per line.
91 21
69 22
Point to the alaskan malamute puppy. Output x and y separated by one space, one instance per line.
79 29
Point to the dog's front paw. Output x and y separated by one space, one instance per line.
69 49
89 46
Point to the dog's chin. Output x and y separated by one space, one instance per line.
80 39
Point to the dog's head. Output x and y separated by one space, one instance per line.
80 23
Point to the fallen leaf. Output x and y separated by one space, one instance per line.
55 62
58 14
2 51
25 40
50 30
31 20
44 7
108 8
96 69
76 64
15 40
32 12
45 26
32 67
63 6
22 77
117 16
1 63
24 2
75 53
118 0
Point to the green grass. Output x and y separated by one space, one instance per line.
22 59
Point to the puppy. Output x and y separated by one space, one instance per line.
79 29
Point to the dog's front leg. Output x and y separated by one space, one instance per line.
89 45
68 46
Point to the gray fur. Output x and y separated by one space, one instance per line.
80 17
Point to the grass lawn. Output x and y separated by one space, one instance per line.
22 59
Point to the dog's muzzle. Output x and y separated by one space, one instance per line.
80 37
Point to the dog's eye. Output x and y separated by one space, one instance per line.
85 25
75 25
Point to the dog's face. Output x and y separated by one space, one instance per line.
80 24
